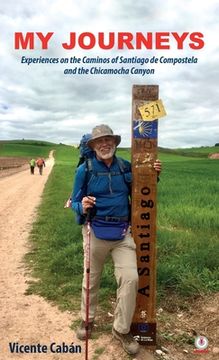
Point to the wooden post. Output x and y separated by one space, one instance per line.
144 153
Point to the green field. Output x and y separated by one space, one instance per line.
188 228
26 148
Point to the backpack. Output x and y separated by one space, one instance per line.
40 162
32 162
85 154
85 151
124 169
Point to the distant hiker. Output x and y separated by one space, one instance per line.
103 192
40 164
32 166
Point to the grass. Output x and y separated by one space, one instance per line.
188 226
187 242
57 248
26 148
98 352
201 152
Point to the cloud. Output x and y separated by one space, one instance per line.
39 101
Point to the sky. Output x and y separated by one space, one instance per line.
40 101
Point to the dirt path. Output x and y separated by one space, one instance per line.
24 319
30 320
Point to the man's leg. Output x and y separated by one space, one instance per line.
98 253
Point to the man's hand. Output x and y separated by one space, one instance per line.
88 202
158 166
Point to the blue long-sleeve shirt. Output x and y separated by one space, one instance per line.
107 184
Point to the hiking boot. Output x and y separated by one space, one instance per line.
129 344
81 330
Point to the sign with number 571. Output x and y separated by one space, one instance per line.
152 110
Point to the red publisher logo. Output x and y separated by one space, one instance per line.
201 344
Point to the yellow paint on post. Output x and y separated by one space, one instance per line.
152 110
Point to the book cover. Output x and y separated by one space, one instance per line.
67 66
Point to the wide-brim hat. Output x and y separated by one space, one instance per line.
101 131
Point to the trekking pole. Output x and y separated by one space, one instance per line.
87 266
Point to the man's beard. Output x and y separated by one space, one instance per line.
106 154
